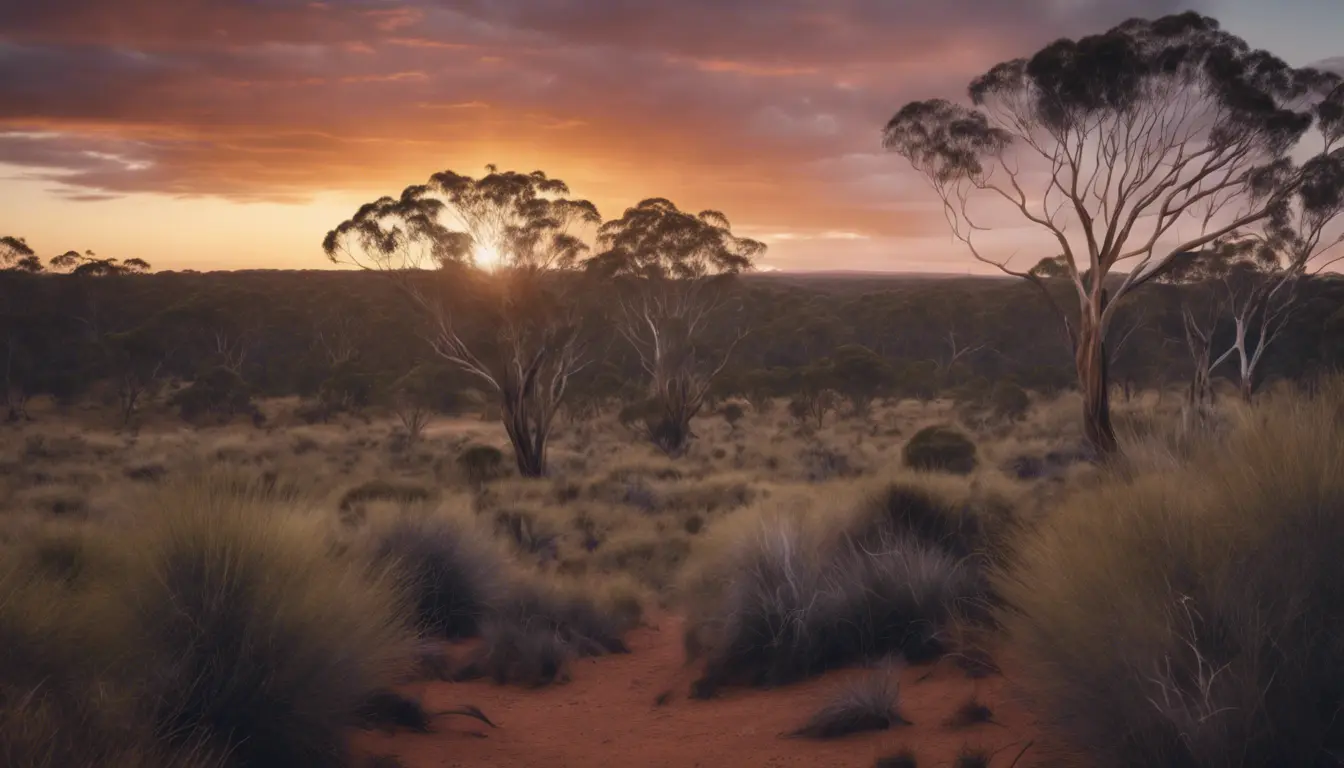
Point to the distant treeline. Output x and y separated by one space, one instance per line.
295 332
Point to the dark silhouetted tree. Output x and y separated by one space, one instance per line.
88 264
493 251
16 255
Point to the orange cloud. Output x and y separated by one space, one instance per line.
769 112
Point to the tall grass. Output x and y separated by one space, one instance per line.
454 575
257 641
220 631
1194 616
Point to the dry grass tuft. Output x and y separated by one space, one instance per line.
253 639
969 714
868 704
787 596
454 575
1191 616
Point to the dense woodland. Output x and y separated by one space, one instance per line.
348 337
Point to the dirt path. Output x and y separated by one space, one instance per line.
607 716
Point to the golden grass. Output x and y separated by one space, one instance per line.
1189 614
100 518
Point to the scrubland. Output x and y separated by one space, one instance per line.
252 596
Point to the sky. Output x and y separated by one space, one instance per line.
232 134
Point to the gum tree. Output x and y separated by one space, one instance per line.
1265 270
487 261
675 270
1123 150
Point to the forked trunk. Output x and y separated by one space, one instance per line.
677 403
1247 386
1090 361
527 436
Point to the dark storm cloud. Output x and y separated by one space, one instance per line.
772 107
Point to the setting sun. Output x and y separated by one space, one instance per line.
485 256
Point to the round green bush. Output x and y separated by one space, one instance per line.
940 449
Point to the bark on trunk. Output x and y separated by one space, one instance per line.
528 440
1090 361
1247 386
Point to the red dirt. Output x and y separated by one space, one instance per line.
607 716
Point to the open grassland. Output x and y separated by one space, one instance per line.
252 596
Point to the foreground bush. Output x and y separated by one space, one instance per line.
257 643
537 631
1193 617
221 633
788 597
59 705
462 585
452 573
941 449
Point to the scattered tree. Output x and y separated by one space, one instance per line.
675 269
504 243
89 264
413 396
1155 138
860 375
16 255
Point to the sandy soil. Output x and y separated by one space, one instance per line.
607 715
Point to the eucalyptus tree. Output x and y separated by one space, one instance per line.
1268 267
485 261
16 255
1123 150
676 272
1255 278
89 264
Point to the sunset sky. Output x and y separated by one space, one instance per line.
222 134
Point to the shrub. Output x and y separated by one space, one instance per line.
219 393
254 641
786 599
868 704
822 463
481 464
383 490
536 631
941 449
905 509
1009 401
732 413
146 473
59 707
453 575
348 387
512 653
1191 617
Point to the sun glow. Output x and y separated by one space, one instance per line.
485 256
